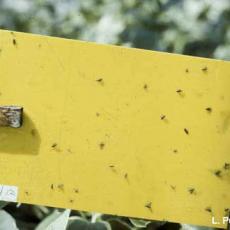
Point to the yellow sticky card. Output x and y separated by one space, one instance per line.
116 130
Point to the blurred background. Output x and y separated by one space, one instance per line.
192 27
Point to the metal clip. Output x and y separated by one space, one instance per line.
11 116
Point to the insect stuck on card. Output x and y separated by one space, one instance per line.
148 205
205 69
192 191
186 131
208 209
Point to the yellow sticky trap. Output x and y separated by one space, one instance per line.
116 130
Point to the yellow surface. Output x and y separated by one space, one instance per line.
104 129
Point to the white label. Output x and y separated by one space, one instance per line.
8 193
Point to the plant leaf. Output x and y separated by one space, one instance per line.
7 221
3 204
80 223
56 220
139 223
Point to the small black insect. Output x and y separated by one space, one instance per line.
205 69
227 166
145 86
61 186
112 167
208 209
33 132
76 190
187 70
148 205
27 193
179 91
71 201
52 186
173 187
54 145
175 150
218 173
186 131
192 190
14 42
100 81
126 176
102 145
226 211
209 109
163 117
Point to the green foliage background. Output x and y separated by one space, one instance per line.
192 27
